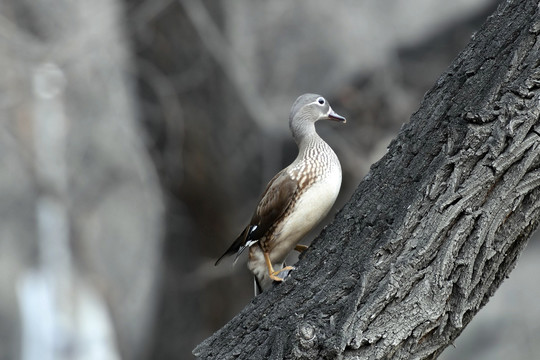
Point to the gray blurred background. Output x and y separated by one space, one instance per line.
136 137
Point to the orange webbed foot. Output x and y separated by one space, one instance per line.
274 274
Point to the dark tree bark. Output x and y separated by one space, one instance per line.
432 230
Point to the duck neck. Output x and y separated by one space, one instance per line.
306 136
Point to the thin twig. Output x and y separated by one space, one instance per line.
231 63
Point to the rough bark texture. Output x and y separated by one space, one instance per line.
432 230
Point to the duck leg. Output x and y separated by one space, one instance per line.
271 272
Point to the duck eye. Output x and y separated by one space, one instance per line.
320 101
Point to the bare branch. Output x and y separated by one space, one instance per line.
231 63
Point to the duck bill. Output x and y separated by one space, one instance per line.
332 115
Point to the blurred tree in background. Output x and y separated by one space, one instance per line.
162 122
81 227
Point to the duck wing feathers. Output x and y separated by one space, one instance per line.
277 198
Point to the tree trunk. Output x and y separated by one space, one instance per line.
431 231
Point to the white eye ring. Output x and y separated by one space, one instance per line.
320 101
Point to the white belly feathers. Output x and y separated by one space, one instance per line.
308 211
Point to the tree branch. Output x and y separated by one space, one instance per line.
431 231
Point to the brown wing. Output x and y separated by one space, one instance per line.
277 197
275 201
